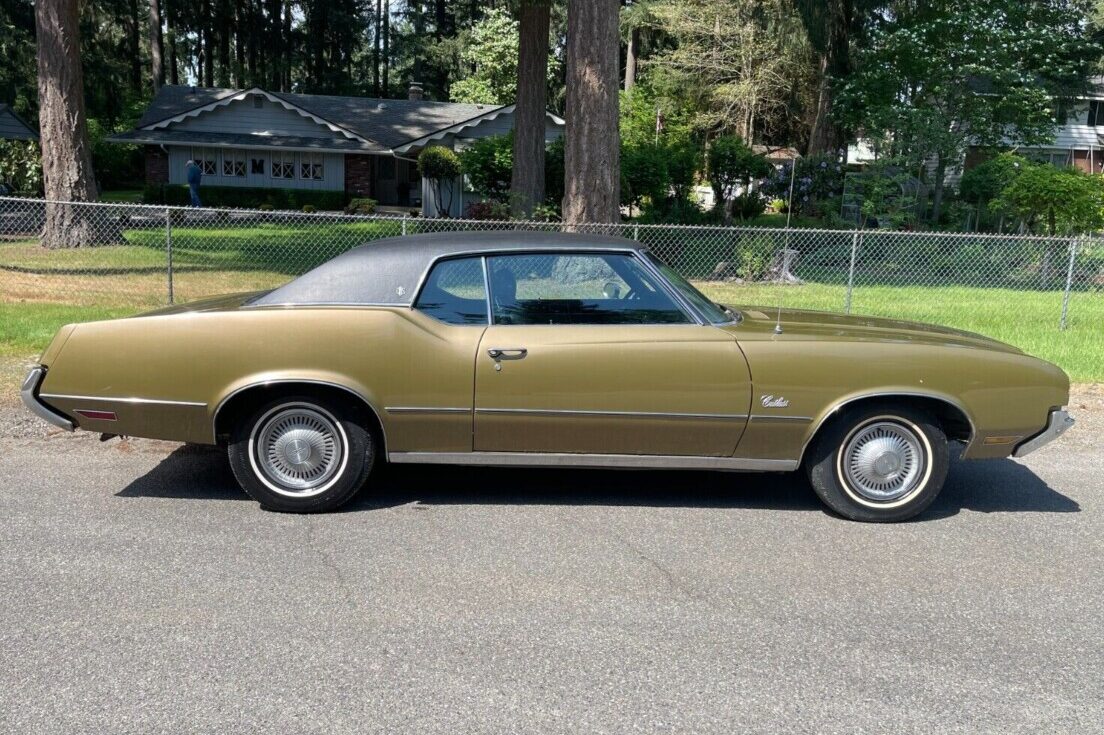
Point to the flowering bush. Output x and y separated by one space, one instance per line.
817 178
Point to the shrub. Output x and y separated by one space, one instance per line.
1055 200
733 165
488 164
361 205
487 210
684 160
816 179
747 206
754 254
245 197
21 165
309 209
643 175
441 166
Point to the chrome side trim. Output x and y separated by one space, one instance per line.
618 414
305 381
29 394
125 400
759 419
425 409
1058 422
329 304
888 394
611 461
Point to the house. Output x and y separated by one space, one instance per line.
360 146
13 127
1078 140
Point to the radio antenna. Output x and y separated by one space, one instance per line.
778 320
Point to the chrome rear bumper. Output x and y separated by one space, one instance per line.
29 392
1057 423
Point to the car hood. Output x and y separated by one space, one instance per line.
226 302
827 325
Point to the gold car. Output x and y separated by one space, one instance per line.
537 350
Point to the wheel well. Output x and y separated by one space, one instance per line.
241 404
951 419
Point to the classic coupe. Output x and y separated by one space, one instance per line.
545 350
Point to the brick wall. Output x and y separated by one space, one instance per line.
359 175
157 165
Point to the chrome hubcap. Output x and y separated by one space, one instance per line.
883 461
298 449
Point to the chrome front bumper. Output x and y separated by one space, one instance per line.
29 392
1057 424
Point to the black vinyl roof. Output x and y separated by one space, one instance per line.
389 271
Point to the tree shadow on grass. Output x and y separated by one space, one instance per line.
994 486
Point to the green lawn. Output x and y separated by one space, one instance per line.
41 289
125 196
1027 319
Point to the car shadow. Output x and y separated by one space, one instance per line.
990 486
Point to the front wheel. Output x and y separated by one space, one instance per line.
301 455
879 463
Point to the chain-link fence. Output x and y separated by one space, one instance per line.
1044 294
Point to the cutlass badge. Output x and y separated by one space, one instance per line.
772 402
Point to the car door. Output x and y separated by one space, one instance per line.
589 352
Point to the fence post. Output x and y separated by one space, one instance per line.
851 272
404 225
1069 283
169 251
636 232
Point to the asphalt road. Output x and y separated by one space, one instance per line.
141 592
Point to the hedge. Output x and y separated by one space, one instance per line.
245 197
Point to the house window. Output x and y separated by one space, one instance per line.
283 166
256 166
1096 114
233 163
310 166
207 160
258 101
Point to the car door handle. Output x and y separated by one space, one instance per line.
507 353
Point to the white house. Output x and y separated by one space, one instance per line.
361 146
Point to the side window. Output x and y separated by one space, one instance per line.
455 292
577 288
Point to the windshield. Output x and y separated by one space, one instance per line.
714 313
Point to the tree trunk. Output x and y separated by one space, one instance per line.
225 26
134 45
63 131
174 68
442 29
157 66
592 170
207 70
823 135
377 46
830 23
239 43
386 81
630 58
418 22
937 196
527 180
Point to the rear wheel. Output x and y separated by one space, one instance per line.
879 463
301 455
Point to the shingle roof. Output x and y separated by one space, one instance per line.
246 140
7 111
387 122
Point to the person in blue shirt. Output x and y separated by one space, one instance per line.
194 177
